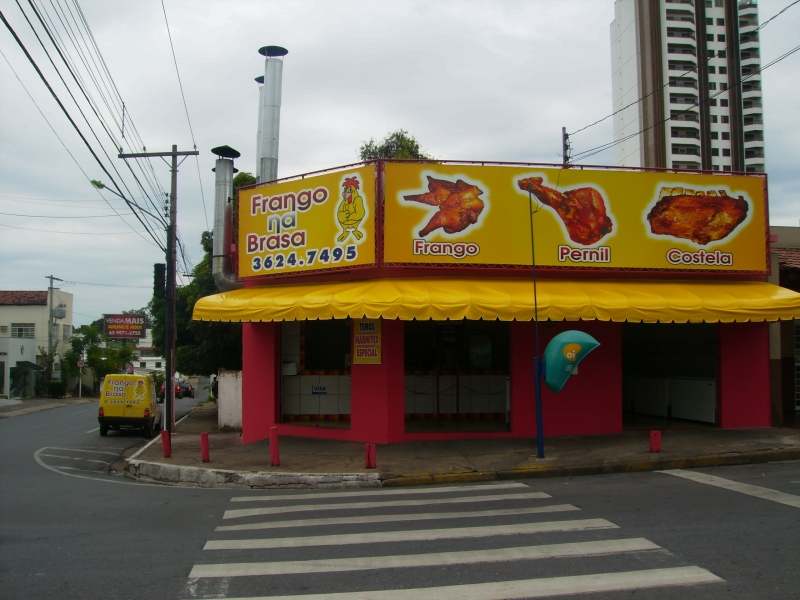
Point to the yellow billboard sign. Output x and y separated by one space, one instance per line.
460 214
316 223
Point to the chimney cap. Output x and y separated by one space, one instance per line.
260 79
225 152
273 51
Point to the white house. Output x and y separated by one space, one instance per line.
24 318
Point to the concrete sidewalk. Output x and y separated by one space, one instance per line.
15 408
325 463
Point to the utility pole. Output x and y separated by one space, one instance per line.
50 324
168 421
565 146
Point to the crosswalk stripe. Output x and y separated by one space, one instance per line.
735 486
382 491
409 536
274 510
574 549
529 588
396 518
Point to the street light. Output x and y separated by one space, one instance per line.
102 186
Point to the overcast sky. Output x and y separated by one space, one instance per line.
470 80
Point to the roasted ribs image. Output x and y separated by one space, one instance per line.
582 210
459 205
700 216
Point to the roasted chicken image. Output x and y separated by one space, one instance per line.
582 210
700 216
459 205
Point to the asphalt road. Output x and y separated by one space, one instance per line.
101 536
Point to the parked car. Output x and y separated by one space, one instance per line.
187 390
178 391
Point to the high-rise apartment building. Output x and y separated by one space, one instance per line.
689 71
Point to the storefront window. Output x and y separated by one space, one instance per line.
456 375
315 368
670 374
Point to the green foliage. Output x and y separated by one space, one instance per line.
395 145
158 379
101 361
204 346
242 179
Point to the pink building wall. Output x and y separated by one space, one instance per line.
589 404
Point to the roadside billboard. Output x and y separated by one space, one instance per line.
124 327
322 222
462 214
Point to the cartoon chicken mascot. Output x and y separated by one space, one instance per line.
351 210
138 391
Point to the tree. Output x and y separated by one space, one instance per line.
100 359
395 145
242 179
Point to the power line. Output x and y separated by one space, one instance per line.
598 149
186 108
66 113
70 232
63 217
138 287
689 72
65 146
81 87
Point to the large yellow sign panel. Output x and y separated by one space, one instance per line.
316 223
481 215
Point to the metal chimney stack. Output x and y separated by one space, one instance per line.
221 267
269 113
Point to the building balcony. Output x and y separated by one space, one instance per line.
684 116
692 166
754 168
680 49
675 99
680 33
753 122
752 105
753 152
683 83
685 149
682 66
750 55
685 132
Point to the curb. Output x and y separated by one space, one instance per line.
223 478
605 468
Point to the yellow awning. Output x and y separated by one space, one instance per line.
506 299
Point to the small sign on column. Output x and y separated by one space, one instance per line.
366 341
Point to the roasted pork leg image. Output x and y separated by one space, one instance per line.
582 210
700 216
459 205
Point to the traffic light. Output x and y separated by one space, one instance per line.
159 280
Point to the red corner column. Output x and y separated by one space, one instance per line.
261 364
743 378
377 397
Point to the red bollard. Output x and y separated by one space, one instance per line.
274 451
655 441
166 443
204 447
369 456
